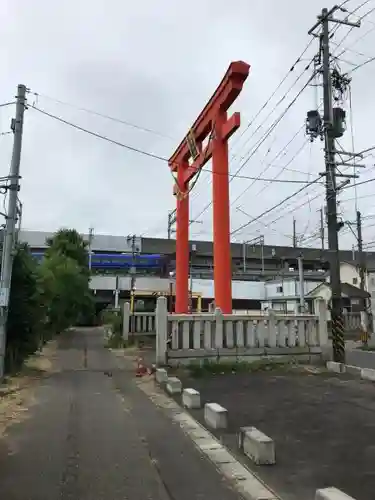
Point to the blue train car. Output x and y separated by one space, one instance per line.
121 261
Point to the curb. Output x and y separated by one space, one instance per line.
246 482
340 368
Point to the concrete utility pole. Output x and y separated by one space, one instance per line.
171 221
133 272
294 233
91 237
337 321
10 227
361 259
301 285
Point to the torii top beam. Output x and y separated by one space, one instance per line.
224 96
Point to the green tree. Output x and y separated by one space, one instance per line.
66 280
70 243
25 314
66 295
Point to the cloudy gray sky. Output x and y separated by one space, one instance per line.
155 64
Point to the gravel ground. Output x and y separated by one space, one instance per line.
323 426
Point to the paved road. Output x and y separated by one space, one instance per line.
92 435
363 359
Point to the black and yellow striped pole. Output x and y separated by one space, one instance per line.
338 329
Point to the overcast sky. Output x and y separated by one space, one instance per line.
155 64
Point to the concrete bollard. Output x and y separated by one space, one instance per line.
215 416
161 375
257 446
331 494
174 385
332 366
191 398
368 374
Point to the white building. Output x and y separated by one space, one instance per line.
284 294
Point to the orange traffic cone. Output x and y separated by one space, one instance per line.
141 369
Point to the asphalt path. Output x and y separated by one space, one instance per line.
91 434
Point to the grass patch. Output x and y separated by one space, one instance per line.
206 368
367 348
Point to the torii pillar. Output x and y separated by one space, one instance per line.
213 124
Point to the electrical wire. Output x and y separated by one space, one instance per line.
237 138
270 130
273 179
294 208
99 136
131 148
7 104
360 19
103 115
360 66
353 147
281 100
265 104
279 204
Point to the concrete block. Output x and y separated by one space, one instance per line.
353 370
191 398
257 446
368 374
331 494
174 385
215 416
332 366
161 375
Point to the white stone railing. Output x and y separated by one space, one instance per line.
138 323
182 337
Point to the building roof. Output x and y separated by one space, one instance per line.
347 290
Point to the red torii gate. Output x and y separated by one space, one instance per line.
212 123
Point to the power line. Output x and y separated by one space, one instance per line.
351 29
136 150
275 206
273 179
360 65
287 181
279 102
270 130
103 115
7 104
99 136
274 125
265 104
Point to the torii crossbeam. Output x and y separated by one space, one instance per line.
212 123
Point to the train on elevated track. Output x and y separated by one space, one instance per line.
122 261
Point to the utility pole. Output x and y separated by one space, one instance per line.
362 278
294 233
322 227
91 237
301 285
133 272
361 259
10 227
331 124
171 220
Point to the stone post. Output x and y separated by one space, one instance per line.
322 322
125 321
161 326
